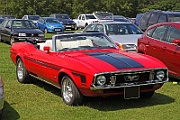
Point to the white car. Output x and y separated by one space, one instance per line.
125 34
85 19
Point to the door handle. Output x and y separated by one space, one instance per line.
163 48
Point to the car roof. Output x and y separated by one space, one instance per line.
165 23
48 17
111 22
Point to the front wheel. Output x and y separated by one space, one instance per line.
21 72
69 92
45 30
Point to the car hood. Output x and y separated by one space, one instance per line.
105 61
126 39
29 30
54 24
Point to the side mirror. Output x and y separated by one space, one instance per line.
176 41
46 49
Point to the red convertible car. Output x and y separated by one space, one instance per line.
162 41
88 64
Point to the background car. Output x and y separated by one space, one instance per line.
34 18
125 34
8 16
84 19
1 20
88 64
50 24
101 16
14 30
1 97
117 18
67 22
157 16
163 42
138 18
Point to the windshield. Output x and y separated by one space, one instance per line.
63 17
35 17
52 21
23 24
122 29
102 15
90 17
83 41
174 17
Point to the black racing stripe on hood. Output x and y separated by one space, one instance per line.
117 60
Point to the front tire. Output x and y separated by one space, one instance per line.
21 72
69 92
45 30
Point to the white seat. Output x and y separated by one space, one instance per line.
86 42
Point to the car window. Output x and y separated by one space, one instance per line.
144 19
9 24
173 33
153 18
52 21
159 32
162 18
173 17
90 27
122 29
150 31
23 24
99 28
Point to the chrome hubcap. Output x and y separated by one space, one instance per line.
67 90
20 70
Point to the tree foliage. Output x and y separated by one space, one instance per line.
73 8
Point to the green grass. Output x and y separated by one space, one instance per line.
39 101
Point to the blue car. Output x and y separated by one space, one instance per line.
50 24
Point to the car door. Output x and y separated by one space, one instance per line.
40 24
154 44
171 51
43 65
6 31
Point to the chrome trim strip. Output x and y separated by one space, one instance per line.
44 81
124 85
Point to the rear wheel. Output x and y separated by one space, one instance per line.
21 72
147 94
69 92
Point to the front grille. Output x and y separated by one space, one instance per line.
32 35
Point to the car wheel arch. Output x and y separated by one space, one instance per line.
64 72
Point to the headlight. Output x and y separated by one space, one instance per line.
160 75
101 80
41 35
22 34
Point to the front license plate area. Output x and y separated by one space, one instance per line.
131 93
57 30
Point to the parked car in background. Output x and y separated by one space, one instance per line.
50 24
1 20
67 22
156 16
88 64
8 16
117 18
14 30
101 16
163 42
125 34
1 97
138 18
34 18
84 19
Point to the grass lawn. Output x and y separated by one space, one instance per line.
39 101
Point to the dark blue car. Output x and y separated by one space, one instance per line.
50 24
65 19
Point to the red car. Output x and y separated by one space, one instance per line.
88 64
163 42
